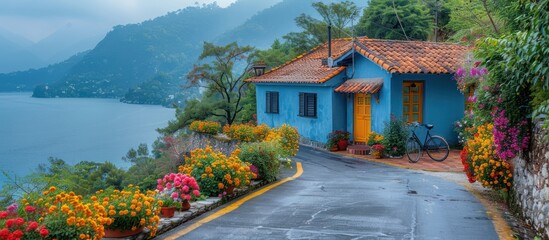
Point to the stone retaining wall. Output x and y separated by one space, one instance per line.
218 142
531 184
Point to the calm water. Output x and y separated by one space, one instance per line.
33 129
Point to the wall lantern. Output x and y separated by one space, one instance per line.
259 68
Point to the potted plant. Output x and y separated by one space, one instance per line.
377 150
331 145
180 188
341 138
395 135
169 205
374 138
66 215
129 211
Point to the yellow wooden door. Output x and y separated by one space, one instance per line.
363 117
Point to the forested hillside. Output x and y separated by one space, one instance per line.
147 62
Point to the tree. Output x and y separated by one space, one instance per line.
315 31
396 19
471 19
221 78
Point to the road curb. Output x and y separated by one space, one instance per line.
235 205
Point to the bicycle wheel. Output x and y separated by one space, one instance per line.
413 150
437 148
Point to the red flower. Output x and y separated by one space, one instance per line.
4 233
44 232
10 222
32 226
19 221
3 214
18 234
30 209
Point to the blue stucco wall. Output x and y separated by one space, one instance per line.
443 104
364 68
329 117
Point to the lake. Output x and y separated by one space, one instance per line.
72 129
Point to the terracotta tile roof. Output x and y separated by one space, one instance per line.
361 85
392 55
412 56
307 68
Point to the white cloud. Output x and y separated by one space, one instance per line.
35 19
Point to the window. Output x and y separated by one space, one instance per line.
307 104
272 102
412 101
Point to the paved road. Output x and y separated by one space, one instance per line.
343 198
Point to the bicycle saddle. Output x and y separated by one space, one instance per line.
429 126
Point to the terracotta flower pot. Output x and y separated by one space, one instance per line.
229 190
167 212
116 233
342 144
185 205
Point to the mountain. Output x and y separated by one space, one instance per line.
132 54
20 54
65 42
25 81
16 57
14 38
147 62
269 24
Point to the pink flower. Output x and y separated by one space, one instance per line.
12 208
174 195
196 193
168 186
474 72
460 72
185 189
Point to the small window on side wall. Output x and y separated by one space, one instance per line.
272 102
307 104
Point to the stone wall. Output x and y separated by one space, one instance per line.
218 142
531 183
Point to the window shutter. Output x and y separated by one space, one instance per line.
274 99
311 105
268 102
301 104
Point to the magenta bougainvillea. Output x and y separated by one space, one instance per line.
509 138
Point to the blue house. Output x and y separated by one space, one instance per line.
361 85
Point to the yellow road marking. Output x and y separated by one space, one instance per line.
235 205
502 228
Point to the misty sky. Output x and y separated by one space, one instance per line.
36 19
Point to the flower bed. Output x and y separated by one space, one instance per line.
216 172
209 127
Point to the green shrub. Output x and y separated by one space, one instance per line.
395 134
263 155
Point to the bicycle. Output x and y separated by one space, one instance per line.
436 146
